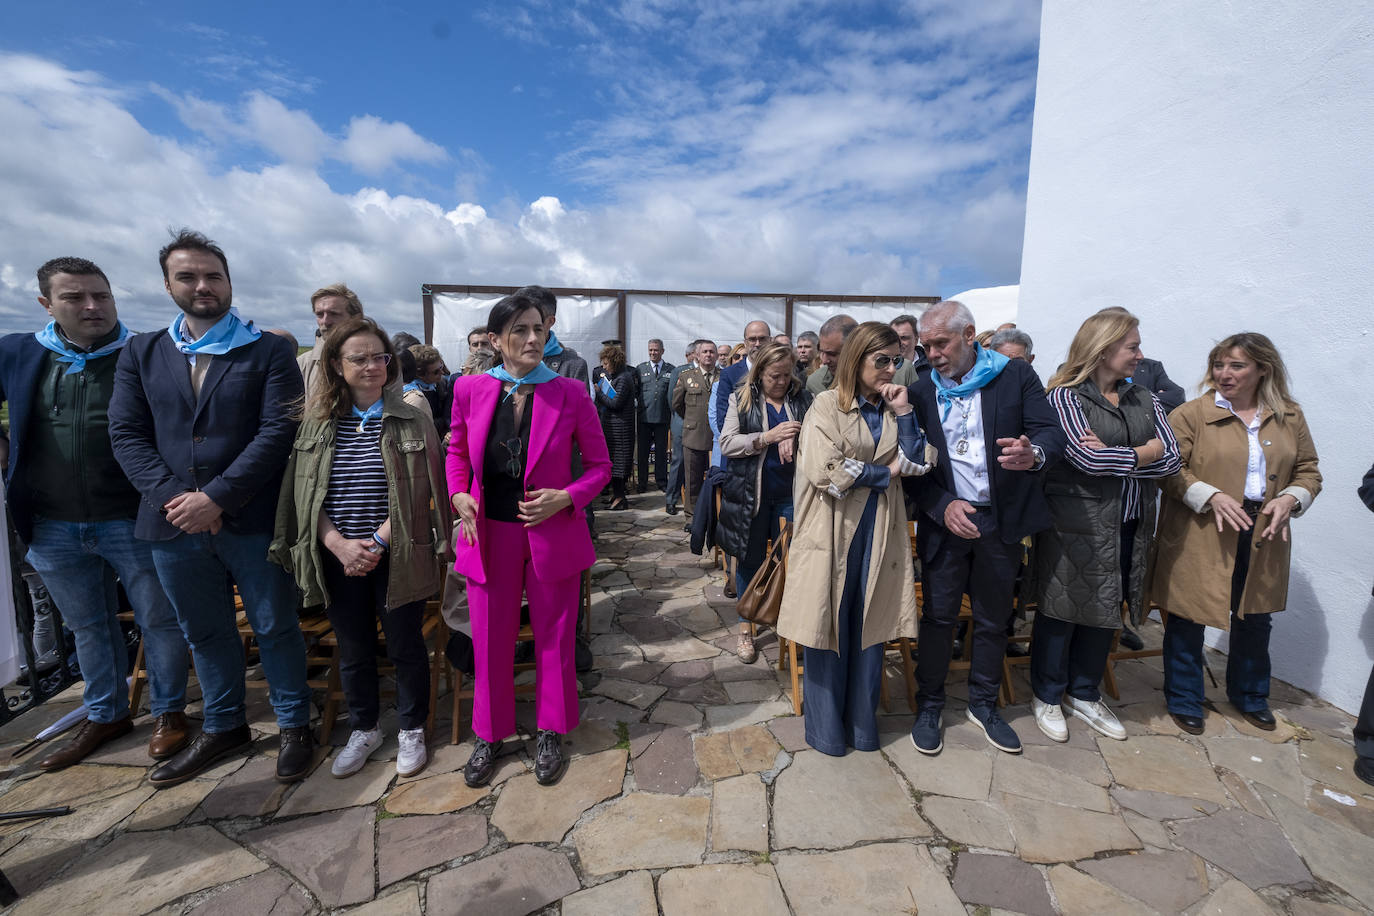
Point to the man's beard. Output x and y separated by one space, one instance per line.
190 306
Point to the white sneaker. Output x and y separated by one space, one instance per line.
1098 716
1050 718
413 755
354 754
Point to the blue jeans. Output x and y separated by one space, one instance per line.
1247 664
196 570
1067 658
75 559
769 513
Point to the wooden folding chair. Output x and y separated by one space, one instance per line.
1118 654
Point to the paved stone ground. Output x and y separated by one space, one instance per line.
692 791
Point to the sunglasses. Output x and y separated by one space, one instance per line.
882 361
513 448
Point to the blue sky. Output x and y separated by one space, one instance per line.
789 146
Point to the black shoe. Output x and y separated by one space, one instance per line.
1364 768
1193 725
482 764
293 757
1261 719
687 527
1017 650
672 510
459 653
549 762
957 648
582 654
730 589
200 756
1131 640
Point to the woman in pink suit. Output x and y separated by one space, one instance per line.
521 529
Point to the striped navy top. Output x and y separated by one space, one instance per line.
356 501
1117 460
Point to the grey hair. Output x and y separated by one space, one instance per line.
843 324
809 335
951 313
1012 336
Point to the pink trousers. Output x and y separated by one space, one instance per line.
495 614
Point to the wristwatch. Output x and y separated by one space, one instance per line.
1039 457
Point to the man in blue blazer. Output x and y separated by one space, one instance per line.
201 421
74 508
994 430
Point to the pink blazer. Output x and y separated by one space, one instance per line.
560 546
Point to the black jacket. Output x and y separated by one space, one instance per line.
1150 373
736 530
1013 404
232 442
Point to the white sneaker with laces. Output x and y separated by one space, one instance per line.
1050 718
413 755
354 754
1102 719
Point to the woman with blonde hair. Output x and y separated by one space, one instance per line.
849 584
740 351
1102 500
1249 461
759 437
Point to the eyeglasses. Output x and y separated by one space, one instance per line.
513 448
882 361
362 362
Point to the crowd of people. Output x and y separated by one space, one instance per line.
363 478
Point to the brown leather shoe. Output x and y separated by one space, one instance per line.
170 735
89 736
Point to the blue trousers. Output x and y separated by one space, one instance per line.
841 689
75 560
1067 658
675 466
196 570
1247 664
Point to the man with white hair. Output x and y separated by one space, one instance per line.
988 418
1013 344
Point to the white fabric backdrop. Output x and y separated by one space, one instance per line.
10 652
809 316
679 320
583 322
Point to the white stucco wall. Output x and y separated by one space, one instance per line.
1208 166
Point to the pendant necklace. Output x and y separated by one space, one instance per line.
961 447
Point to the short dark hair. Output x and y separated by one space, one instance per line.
480 329
508 309
404 340
907 319
841 323
79 267
406 360
189 240
544 299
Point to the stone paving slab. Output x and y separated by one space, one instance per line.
322 791
169 807
324 852
667 766
406 845
269 892
250 791
434 795
513 882
632 895
810 813
876 880
1036 780
1079 895
739 814
957 771
1163 764
1046 832
146 871
527 812
30 862
711 889
1233 897
405 902
1335 853
1247 847
1274 765
643 831
972 823
1002 881
1168 881
681 715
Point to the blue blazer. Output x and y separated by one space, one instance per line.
21 361
232 443
1013 404
730 377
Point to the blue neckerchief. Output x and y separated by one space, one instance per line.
552 347
51 340
416 385
987 365
537 375
229 333
371 413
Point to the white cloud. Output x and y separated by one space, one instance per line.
888 161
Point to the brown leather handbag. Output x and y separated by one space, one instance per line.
762 599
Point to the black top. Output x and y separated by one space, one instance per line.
503 464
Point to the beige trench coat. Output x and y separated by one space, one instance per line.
825 526
1191 571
